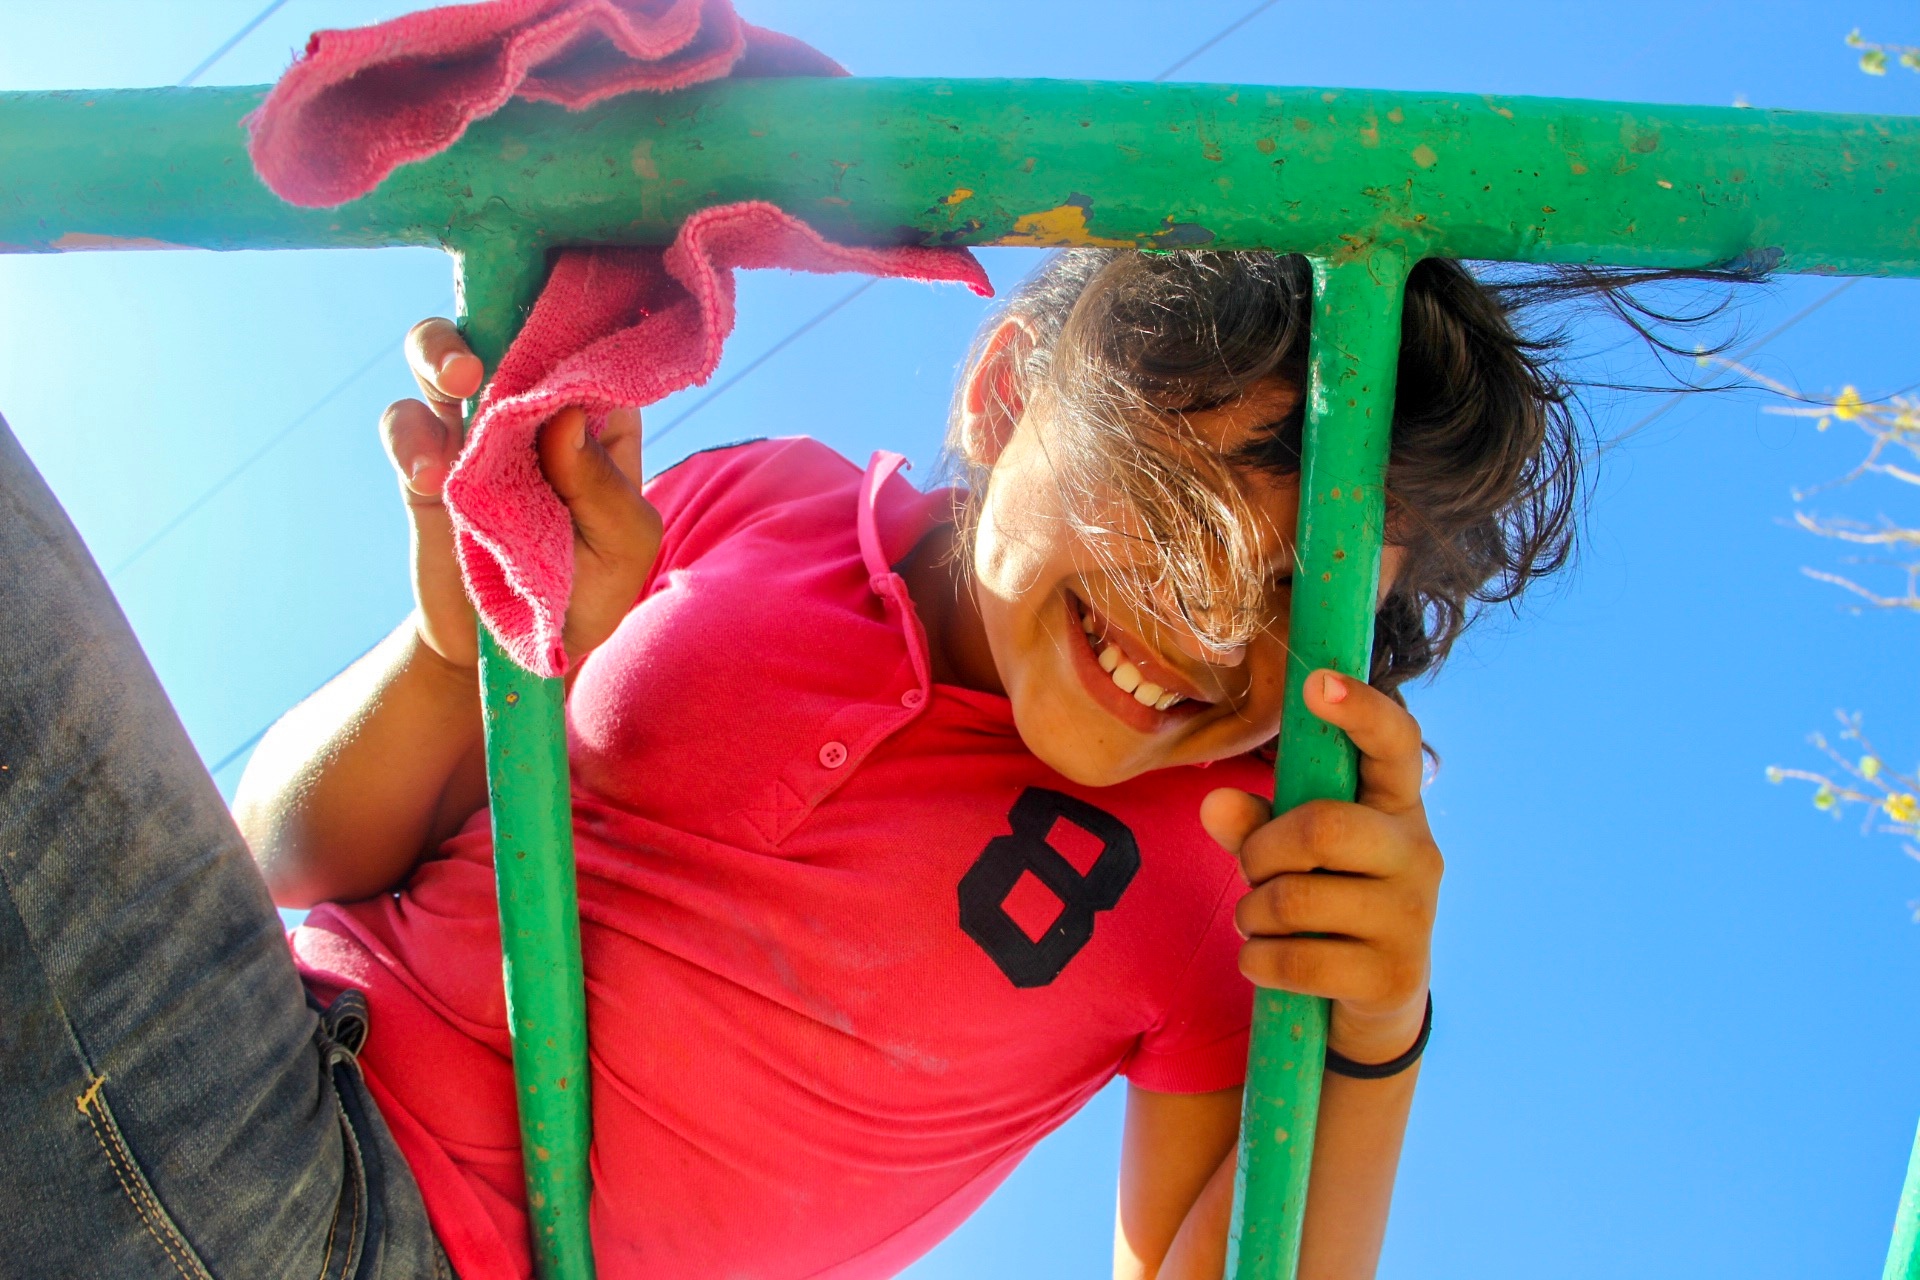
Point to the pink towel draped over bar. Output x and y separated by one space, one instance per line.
613 327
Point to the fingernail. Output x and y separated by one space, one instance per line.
1333 688
580 432
419 465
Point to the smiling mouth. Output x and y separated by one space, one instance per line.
1125 676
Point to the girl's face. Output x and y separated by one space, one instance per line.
1101 690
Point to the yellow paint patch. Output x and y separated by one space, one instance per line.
643 165
957 195
1064 225
1425 157
85 240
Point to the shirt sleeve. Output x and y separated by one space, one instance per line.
1201 1044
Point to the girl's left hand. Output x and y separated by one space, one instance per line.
1364 876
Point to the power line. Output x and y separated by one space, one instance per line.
1675 398
254 740
228 47
762 358
1217 37
213 490
213 770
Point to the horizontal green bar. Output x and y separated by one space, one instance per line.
1038 162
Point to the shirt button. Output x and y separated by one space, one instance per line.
912 698
833 755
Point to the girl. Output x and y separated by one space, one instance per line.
895 832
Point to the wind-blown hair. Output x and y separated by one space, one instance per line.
1484 473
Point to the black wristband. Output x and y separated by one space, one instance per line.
1341 1065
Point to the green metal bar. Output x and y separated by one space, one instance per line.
1903 1255
1036 162
532 816
1353 357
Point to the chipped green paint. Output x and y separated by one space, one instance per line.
1364 182
877 161
495 282
1352 360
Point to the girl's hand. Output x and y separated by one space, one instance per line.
616 531
1365 876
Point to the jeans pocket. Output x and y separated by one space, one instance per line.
126 1171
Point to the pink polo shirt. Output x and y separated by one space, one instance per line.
850 948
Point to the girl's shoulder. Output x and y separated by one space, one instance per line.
770 465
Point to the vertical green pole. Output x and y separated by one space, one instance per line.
533 855
1353 359
1903 1256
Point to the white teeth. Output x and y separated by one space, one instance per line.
1128 677
1086 623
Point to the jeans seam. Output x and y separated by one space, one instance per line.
354 1182
333 1230
134 1184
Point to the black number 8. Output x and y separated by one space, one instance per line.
1028 962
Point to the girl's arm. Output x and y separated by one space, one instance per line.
1176 1180
351 787
1341 905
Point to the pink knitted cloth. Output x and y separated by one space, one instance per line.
613 327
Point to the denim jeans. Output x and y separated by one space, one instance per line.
170 1102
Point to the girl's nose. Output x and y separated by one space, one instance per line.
1189 644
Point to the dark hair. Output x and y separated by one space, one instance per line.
1484 475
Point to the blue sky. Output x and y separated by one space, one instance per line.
1678 1027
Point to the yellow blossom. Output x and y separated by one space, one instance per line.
1849 406
1902 807
1869 766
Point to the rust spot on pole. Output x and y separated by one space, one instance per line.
86 242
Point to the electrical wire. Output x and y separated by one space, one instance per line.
1216 38
233 40
759 360
213 490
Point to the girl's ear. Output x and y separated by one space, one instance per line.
992 403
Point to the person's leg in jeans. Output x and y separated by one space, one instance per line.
169 1102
